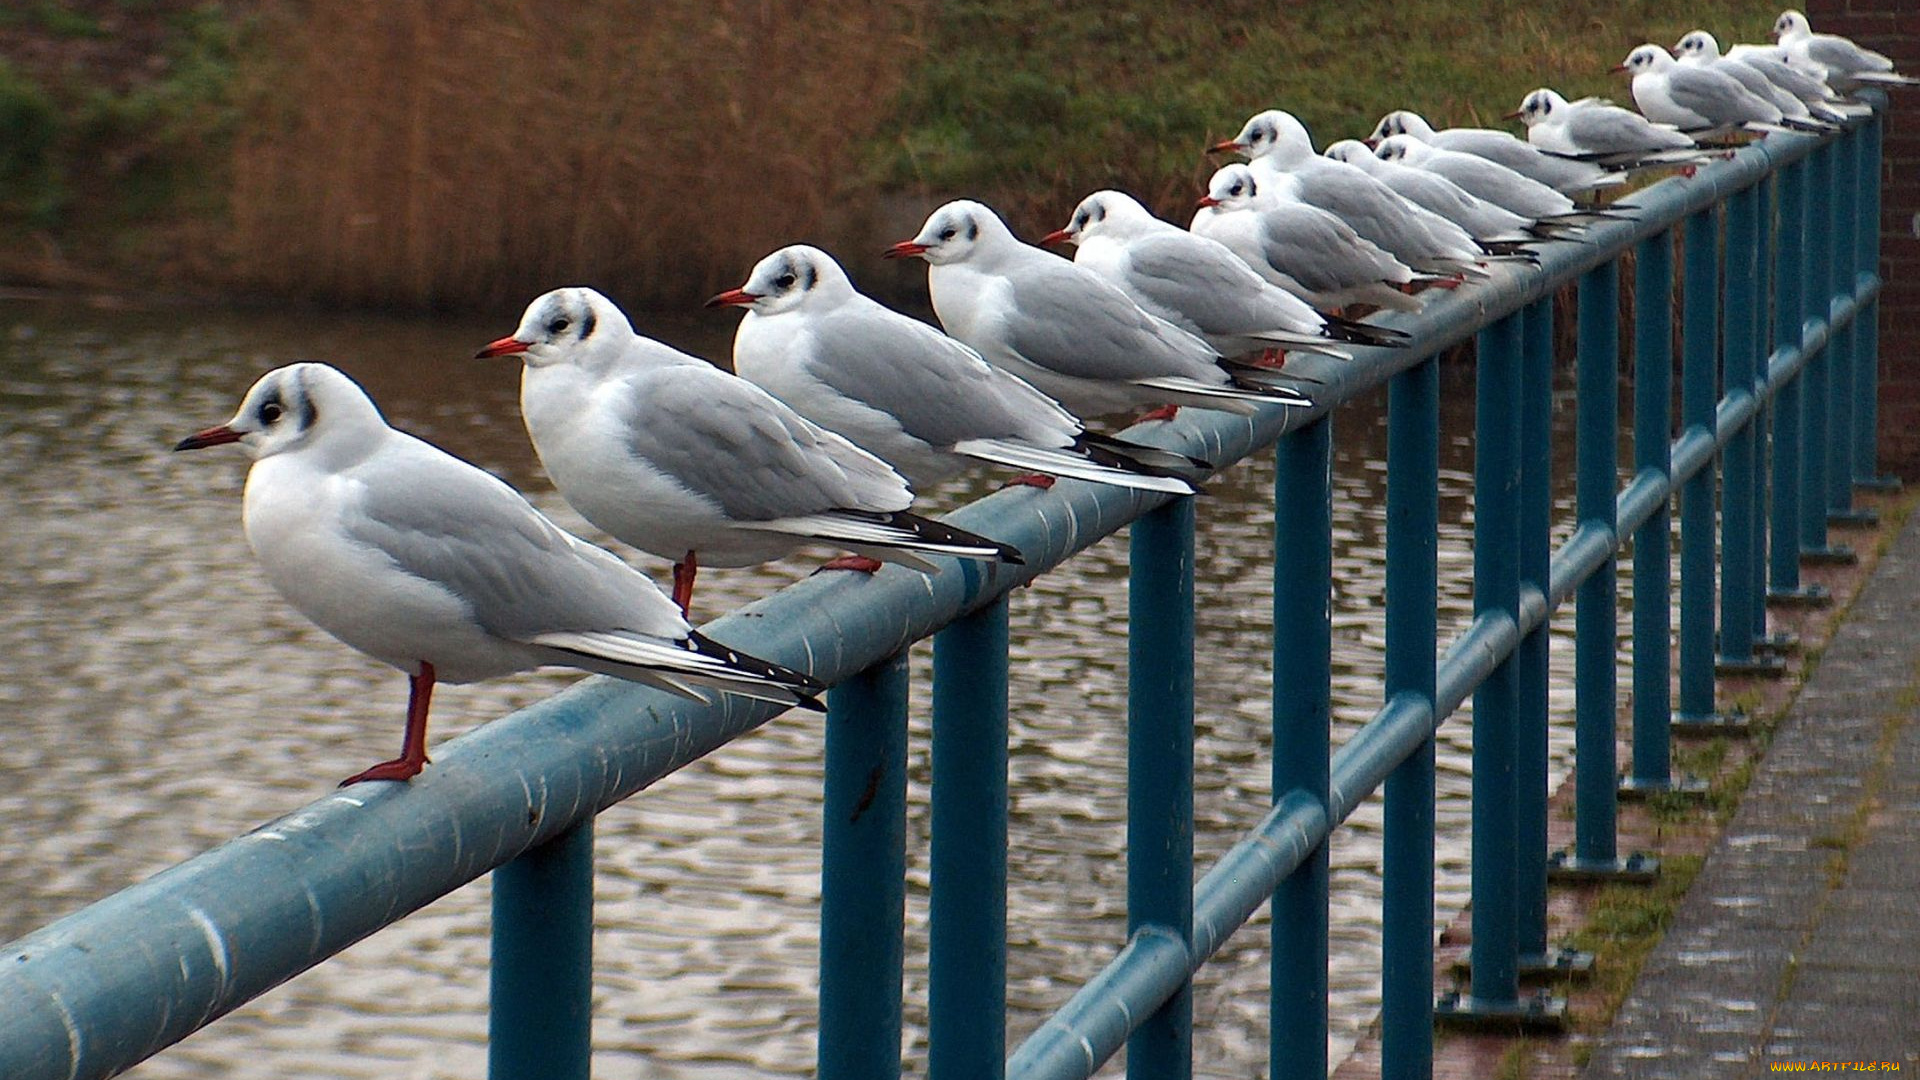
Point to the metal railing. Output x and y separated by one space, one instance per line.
1780 245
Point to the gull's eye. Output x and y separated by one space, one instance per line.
271 412
559 325
949 233
784 281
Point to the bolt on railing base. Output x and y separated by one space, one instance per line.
1707 725
1767 666
1538 1012
1634 789
1555 963
1883 482
1831 555
1806 596
1781 644
1853 519
1564 868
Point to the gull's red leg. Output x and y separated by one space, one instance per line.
413 747
857 563
683 572
1032 480
1164 412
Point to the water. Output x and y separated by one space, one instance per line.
160 698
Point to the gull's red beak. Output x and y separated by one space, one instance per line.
1616 69
732 296
1371 144
213 436
1206 201
1057 236
506 346
1226 146
1514 115
905 249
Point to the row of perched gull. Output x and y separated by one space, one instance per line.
840 407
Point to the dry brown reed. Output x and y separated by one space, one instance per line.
461 153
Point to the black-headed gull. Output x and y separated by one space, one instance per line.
1845 65
1698 49
678 458
1484 221
1280 150
1303 249
1562 175
1598 130
1808 84
439 569
902 390
1698 101
1066 329
1482 178
1199 284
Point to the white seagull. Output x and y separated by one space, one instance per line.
1598 130
439 569
678 458
1808 84
1280 150
1562 175
909 394
1485 179
1695 100
1698 49
1845 64
1200 285
1303 249
1484 221
1066 329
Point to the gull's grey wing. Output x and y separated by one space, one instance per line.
940 390
1070 320
1318 250
722 437
1845 56
1364 203
1613 130
1205 283
519 573
1717 97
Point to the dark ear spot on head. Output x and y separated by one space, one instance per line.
973 230
587 324
808 275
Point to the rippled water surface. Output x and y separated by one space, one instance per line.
159 698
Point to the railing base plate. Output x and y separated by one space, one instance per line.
1555 964
1709 724
1764 666
1780 644
1634 788
1831 555
1856 518
1563 868
1536 1012
1883 482
1806 596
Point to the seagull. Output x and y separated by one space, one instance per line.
1695 100
1486 222
1845 64
1809 86
680 459
907 393
441 570
1280 150
1482 178
1595 130
1566 177
1199 285
1066 329
1303 249
1698 49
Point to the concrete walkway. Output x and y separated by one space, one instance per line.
1799 942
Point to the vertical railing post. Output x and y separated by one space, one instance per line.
1866 450
1846 342
1738 499
1160 768
1302 715
1406 908
967 932
540 1023
1653 541
1788 411
863 875
1763 419
1816 289
1698 399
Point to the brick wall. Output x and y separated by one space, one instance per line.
1893 27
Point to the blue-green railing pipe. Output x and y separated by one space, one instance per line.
1302 719
1496 591
1789 314
1412 597
1698 363
540 987
1815 409
863 867
1596 615
1763 427
967 839
1160 770
1840 282
1532 662
1653 541
1866 451
1740 299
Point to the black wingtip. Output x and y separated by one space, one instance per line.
811 704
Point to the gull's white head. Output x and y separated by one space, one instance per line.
567 326
298 406
1232 187
1541 106
1791 26
1404 149
794 277
1351 151
1105 213
960 230
1402 122
1646 58
1697 44
1274 134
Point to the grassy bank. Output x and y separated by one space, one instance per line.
471 153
